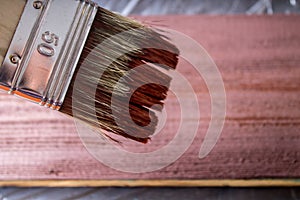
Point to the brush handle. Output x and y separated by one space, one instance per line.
10 13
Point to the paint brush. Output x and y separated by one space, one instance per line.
82 60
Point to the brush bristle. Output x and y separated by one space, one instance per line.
93 59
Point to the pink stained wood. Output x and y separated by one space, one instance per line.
259 59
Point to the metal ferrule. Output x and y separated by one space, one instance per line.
45 49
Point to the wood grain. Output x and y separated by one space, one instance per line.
153 183
259 59
10 13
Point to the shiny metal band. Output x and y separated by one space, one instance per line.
45 49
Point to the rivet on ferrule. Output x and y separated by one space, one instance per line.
14 58
37 4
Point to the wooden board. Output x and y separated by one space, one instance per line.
259 59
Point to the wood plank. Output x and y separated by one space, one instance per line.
153 183
258 57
